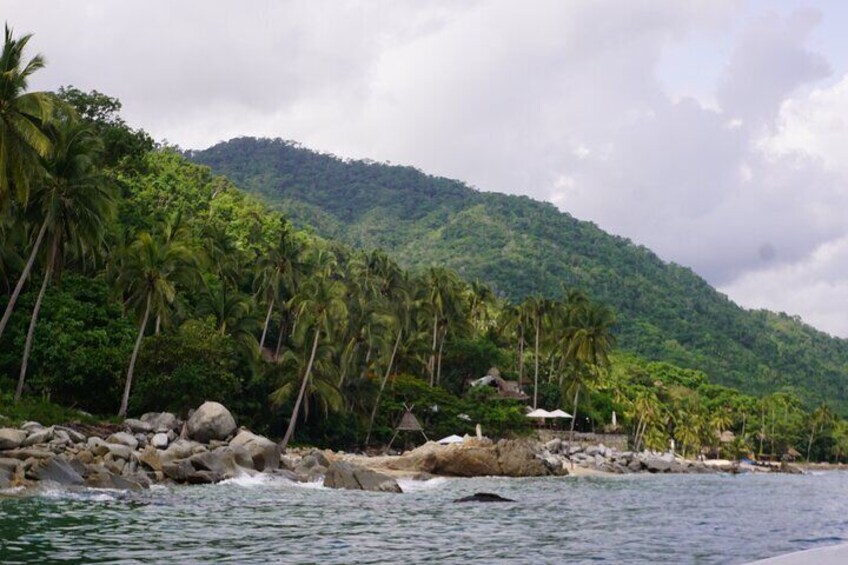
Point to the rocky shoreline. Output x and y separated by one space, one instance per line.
159 448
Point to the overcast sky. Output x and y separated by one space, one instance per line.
713 132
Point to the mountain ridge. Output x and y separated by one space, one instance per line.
521 246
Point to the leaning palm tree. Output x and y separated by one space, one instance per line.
73 204
23 117
150 271
321 308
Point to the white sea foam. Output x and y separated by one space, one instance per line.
248 481
413 485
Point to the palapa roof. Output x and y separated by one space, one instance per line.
409 423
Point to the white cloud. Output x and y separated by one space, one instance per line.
717 146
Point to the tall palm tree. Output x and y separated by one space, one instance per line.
74 204
276 266
150 271
23 118
322 308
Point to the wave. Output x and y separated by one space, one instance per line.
415 485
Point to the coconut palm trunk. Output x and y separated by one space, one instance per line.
536 372
382 387
299 401
574 416
125 399
267 323
23 278
34 320
439 362
431 364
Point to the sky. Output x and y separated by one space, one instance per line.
714 132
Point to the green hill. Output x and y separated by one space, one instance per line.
521 246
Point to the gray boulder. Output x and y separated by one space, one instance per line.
342 475
120 451
161 421
212 421
178 470
181 449
221 462
138 426
657 465
264 452
10 438
30 427
102 478
11 472
123 438
57 470
43 435
159 440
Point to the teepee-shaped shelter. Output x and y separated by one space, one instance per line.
408 423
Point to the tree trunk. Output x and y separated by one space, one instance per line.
521 357
34 319
158 324
431 363
810 443
24 275
281 334
439 363
382 386
299 401
125 399
536 375
265 327
574 416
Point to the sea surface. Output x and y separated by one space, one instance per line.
626 519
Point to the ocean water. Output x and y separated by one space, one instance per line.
626 519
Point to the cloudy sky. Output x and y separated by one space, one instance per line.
714 132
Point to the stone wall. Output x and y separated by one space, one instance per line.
615 441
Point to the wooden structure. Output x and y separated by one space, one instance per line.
408 423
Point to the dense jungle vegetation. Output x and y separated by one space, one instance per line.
132 279
522 248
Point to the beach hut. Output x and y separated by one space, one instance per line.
408 423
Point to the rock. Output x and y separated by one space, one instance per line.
264 452
178 470
159 440
484 497
180 449
56 470
10 438
41 436
220 461
11 472
343 475
204 477
29 453
119 451
161 421
98 477
123 438
474 461
243 457
97 446
138 426
554 446
791 469
211 421
30 427
657 465
517 458
73 435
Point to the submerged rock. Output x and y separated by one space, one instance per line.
342 475
484 497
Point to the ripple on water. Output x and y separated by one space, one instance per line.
260 519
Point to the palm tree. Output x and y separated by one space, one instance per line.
73 205
276 267
23 117
587 343
321 305
149 272
821 417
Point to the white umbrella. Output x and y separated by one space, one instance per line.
451 439
560 414
539 413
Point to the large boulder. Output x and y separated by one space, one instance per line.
212 421
10 438
264 452
342 475
38 437
518 459
11 472
138 426
99 477
472 461
56 470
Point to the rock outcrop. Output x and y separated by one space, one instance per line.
343 475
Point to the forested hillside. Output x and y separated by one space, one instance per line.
522 247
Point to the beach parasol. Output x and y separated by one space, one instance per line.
560 414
